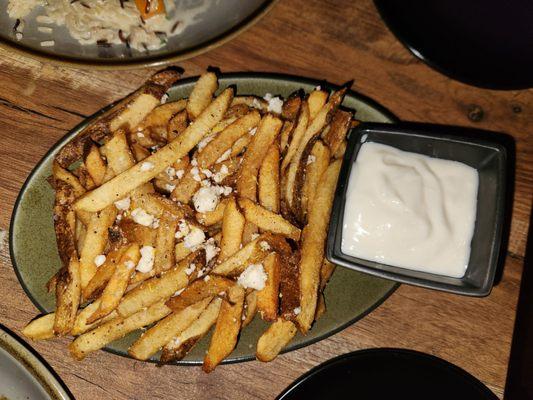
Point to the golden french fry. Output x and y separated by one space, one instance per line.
313 239
316 100
95 165
336 135
139 153
250 307
297 135
212 217
267 132
201 94
64 221
103 274
166 329
118 155
179 346
237 262
164 244
140 173
326 271
68 293
177 125
181 251
118 283
155 123
250 101
268 297
240 145
60 173
226 330
275 338
267 220
269 183
316 165
41 328
199 290
81 325
116 329
232 230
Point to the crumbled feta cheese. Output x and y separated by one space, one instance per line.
146 263
164 98
255 236
264 245
140 134
221 174
119 217
123 204
207 173
311 159
211 250
207 277
129 264
195 172
297 310
183 229
190 269
194 162
48 43
146 166
256 104
99 260
318 88
224 156
205 141
274 103
252 131
155 223
194 238
180 173
178 292
170 172
206 199
142 217
253 277
227 190
170 187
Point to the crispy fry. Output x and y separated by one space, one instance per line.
95 241
268 184
103 274
313 238
68 293
177 125
81 324
60 173
142 172
179 346
212 217
267 220
201 94
251 101
95 165
181 251
232 230
118 283
64 222
166 329
289 287
268 297
116 329
297 135
155 123
266 134
117 153
317 163
316 100
41 328
275 338
240 145
199 290
226 330
139 153
336 135
236 263
250 307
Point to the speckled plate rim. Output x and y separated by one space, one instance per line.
34 364
155 61
230 76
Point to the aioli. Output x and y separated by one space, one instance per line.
409 210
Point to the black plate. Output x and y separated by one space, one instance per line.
487 43
387 374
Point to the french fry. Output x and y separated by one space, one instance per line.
118 283
166 329
251 101
268 297
212 152
179 346
177 125
210 218
64 221
226 330
132 232
267 220
95 165
103 274
95 241
289 287
326 271
267 132
313 238
316 100
61 174
237 262
139 152
155 123
122 184
297 135
268 183
336 135
198 291
232 230
41 328
164 244
201 94
250 307
85 178
316 166
274 339
339 154
181 251
81 325
116 329
117 152
68 293
240 145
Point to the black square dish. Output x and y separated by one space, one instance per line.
468 146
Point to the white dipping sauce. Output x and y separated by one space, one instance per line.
410 211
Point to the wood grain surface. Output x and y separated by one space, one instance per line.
333 40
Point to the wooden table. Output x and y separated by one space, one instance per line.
335 40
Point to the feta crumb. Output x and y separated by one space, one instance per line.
170 187
119 217
129 264
190 269
164 98
205 141
180 173
194 162
221 174
146 166
183 229
264 245
141 217
274 103
176 342
255 236
195 172
253 277
155 223
224 156
311 159
45 29
252 131
170 172
211 250
256 104
318 88
123 204
297 310
227 190
207 173
207 277
146 263
140 134
48 43
206 199
194 238
178 292
19 36
99 260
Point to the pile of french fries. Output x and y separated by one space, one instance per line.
174 217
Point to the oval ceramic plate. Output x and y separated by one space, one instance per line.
23 375
212 23
349 296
